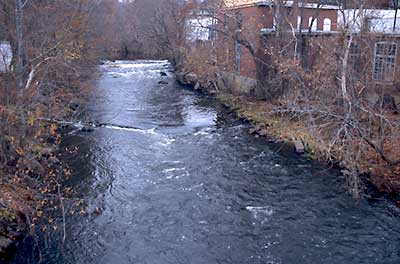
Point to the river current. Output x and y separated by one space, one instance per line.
175 178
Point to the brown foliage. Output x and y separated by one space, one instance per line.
56 52
323 82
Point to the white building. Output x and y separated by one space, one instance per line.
200 27
5 56
374 20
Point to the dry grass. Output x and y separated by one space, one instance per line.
383 176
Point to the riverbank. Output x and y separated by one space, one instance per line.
26 194
31 192
177 172
266 123
367 170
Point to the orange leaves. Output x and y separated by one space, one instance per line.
31 119
53 129
33 116
39 213
38 111
20 151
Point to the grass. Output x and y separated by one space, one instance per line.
386 178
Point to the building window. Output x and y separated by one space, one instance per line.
355 60
237 56
226 21
385 61
314 23
355 54
239 20
327 24
212 35
298 23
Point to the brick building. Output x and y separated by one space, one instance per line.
249 19
257 23
252 27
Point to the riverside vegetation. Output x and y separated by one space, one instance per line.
309 89
57 44
366 144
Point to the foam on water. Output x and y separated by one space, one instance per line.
173 169
260 212
198 118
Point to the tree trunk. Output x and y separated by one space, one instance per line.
19 64
343 81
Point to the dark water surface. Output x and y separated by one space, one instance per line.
189 185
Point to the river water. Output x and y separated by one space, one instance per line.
175 178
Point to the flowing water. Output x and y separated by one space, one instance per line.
174 178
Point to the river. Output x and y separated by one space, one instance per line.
175 178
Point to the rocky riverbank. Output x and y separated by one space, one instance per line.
241 96
31 184
27 194
17 203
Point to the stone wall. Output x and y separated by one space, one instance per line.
236 84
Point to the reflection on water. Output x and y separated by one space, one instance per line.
189 185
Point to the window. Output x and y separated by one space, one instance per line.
239 20
226 26
327 24
355 60
237 56
277 21
298 23
212 34
385 61
226 21
314 24
355 53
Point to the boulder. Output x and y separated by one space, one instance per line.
191 78
259 92
180 77
345 172
254 129
236 85
87 129
299 146
47 152
263 132
221 83
54 161
4 244
74 105
388 103
36 167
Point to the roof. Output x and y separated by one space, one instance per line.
248 3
